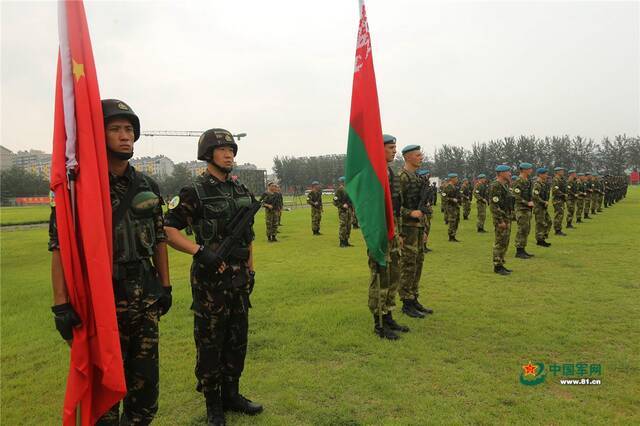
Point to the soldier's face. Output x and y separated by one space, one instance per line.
390 151
223 157
414 158
119 134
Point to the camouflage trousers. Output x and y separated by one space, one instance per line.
501 242
271 219
482 214
138 328
594 202
579 208
601 199
587 206
571 209
466 208
316 217
558 214
543 222
344 230
452 213
279 214
384 281
427 226
220 329
411 262
523 218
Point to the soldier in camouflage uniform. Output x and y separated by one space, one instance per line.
428 195
451 199
523 192
540 197
572 197
466 192
443 183
141 286
345 210
559 196
279 206
579 186
588 188
412 233
220 289
500 206
385 280
269 200
598 193
314 199
481 192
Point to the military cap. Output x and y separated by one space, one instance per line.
341 179
410 148
571 171
388 139
422 172
525 166
541 170
503 168
315 182
514 177
558 169
482 176
587 173
452 175
580 174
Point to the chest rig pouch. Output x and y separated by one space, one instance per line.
135 235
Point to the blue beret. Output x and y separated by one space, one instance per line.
571 171
452 175
587 173
514 177
557 169
422 172
482 176
341 179
525 166
410 148
503 168
315 182
388 139
541 170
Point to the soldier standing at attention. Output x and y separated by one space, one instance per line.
220 289
140 269
314 199
451 203
522 193
572 197
427 195
345 209
481 192
540 199
580 194
501 202
279 205
412 233
270 202
559 196
588 187
467 193
384 282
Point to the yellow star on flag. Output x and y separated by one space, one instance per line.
78 70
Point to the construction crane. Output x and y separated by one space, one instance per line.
182 133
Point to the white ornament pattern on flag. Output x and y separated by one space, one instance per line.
363 46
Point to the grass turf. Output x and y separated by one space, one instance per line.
24 215
313 358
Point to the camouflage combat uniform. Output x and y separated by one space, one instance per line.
220 300
580 194
137 288
271 215
412 233
314 199
540 199
344 214
481 193
572 197
467 192
451 203
558 196
522 193
501 202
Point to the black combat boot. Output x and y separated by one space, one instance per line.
342 243
506 269
465 217
569 226
383 330
232 400
521 254
586 216
388 320
274 239
418 306
578 220
561 234
528 254
481 231
347 244
215 413
452 239
500 270
409 310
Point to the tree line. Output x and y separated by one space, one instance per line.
609 155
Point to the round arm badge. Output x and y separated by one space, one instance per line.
174 202
52 198
495 199
517 190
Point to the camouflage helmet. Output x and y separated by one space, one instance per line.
112 108
212 139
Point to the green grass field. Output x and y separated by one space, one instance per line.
24 215
313 358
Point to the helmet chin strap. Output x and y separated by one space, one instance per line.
121 155
225 170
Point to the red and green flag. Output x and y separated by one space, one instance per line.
367 182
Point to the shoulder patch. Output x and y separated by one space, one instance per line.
535 191
556 187
174 202
52 198
517 190
495 199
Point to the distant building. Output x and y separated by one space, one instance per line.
196 168
245 166
248 174
159 165
33 161
7 158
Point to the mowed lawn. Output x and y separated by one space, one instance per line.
24 215
313 358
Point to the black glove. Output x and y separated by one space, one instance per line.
65 318
252 281
165 301
206 257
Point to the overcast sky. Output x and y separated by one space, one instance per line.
281 70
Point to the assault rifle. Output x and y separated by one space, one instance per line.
235 230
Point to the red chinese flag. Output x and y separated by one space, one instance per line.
96 376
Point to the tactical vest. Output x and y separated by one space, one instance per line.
134 238
411 197
220 202
394 186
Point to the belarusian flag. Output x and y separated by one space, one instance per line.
367 182
80 182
